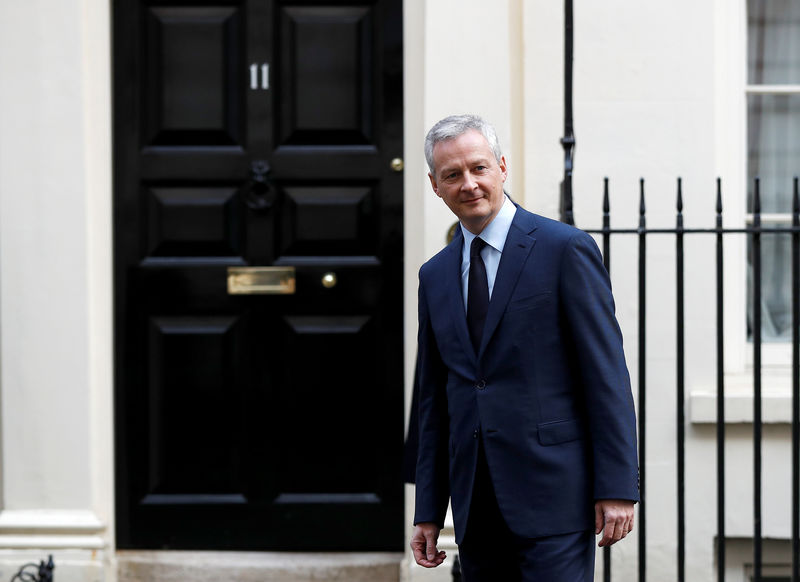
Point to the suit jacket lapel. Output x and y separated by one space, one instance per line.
455 294
515 252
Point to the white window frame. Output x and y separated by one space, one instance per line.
730 159
780 353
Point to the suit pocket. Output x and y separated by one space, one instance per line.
560 431
528 302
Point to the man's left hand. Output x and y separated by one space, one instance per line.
614 517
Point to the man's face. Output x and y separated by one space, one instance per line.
469 179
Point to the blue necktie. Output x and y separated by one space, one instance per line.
477 293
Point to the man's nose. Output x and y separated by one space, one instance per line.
469 184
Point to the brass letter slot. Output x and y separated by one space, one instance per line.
260 280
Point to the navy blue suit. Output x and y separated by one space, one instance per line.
548 392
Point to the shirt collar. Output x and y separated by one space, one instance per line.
496 231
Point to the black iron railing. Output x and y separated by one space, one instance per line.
32 572
754 232
568 141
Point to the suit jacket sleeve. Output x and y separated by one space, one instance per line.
432 483
411 446
589 310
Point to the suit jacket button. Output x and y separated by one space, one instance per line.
481 385
475 433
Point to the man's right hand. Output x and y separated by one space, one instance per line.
423 544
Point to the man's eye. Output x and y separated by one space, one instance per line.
480 168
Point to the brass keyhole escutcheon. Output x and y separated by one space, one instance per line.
397 165
329 280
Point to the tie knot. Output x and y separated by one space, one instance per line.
477 246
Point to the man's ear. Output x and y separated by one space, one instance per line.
503 167
434 185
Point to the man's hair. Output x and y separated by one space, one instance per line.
455 125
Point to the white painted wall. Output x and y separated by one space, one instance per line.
55 287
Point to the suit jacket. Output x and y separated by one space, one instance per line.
548 391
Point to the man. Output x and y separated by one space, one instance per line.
526 419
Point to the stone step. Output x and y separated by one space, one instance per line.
191 566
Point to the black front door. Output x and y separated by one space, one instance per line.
257 133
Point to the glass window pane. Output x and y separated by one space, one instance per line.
773 148
776 287
773 39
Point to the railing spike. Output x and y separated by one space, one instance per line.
607 263
719 195
642 222
757 201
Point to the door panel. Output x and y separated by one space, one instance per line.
193 94
194 221
341 219
195 403
327 77
347 463
258 133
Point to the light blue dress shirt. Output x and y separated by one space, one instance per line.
494 235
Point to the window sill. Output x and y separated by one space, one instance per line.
776 399
775 408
